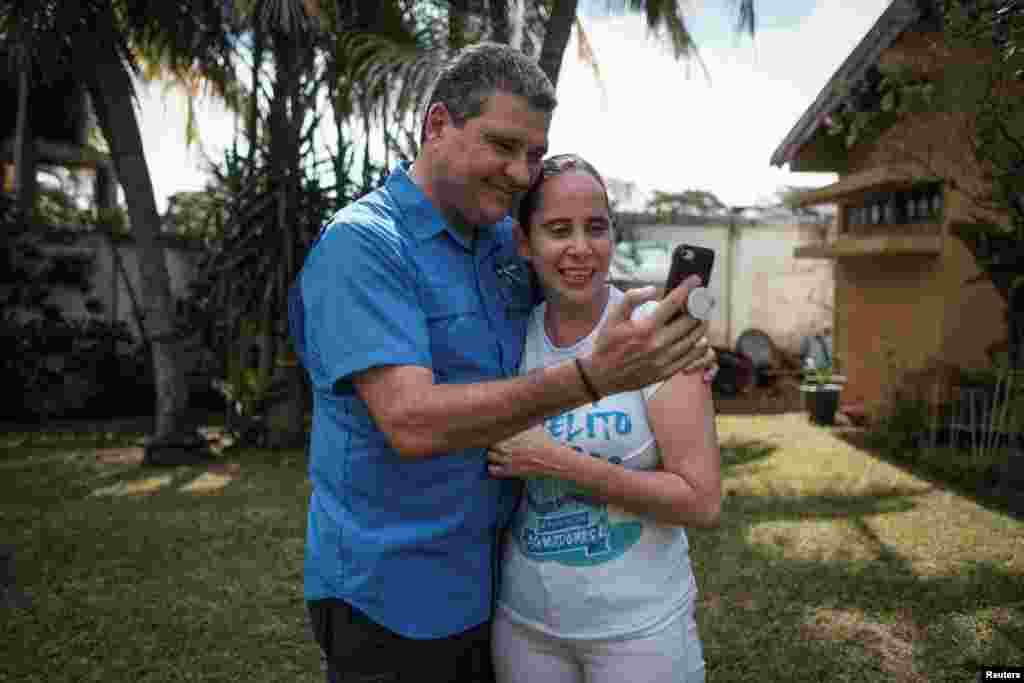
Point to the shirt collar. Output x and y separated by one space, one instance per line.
421 216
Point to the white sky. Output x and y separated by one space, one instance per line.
662 125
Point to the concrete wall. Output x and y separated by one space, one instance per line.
770 290
110 287
112 291
759 284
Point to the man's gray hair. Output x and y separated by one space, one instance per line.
479 71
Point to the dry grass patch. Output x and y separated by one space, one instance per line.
815 540
120 456
213 480
891 644
134 487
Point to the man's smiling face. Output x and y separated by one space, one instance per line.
484 165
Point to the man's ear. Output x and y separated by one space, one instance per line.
522 240
437 119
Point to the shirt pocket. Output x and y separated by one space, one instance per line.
461 347
515 288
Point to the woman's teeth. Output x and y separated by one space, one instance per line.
576 275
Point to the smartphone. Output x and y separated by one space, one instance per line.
688 260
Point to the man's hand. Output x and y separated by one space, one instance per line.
631 354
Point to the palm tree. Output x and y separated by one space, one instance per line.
538 26
664 17
98 41
274 200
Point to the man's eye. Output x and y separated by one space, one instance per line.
560 232
599 228
505 147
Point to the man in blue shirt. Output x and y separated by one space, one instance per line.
409 316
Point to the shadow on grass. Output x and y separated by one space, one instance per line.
737 453
980 490
805 588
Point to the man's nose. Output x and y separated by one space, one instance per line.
579 243
518 170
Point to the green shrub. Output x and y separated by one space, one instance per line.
901 430
69 368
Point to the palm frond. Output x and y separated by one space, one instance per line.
288 16
586 54
378 63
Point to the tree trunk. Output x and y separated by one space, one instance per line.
110 86
24 145
285 418
556 37
252 118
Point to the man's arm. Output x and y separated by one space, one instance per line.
422 418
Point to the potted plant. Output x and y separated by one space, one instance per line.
821 388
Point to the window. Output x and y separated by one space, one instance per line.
919 204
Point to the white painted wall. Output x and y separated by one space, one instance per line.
786 297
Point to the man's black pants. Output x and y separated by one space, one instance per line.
359 650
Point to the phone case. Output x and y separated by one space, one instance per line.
690 260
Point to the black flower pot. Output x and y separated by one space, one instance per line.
821 402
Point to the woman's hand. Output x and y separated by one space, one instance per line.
532 453
708 363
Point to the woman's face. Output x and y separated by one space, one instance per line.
570 241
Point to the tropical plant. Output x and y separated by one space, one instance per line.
820 374
55 364
99 43
268 198
671 205
540 27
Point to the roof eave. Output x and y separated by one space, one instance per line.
894 20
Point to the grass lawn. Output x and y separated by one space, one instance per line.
830 564
133 578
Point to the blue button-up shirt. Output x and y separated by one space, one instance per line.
409 542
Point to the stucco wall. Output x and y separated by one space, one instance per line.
975 314
889 313
933 316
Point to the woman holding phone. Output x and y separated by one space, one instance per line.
596 579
